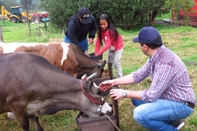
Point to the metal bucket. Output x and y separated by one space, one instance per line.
95 123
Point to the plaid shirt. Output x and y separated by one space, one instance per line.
170 78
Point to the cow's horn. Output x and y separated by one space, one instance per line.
92 76
84 77
95 85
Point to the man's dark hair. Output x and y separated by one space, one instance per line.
152 46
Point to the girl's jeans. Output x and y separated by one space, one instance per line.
159 115
117 61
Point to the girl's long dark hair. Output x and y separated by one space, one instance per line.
112 30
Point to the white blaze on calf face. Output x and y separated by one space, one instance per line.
105 108
65 51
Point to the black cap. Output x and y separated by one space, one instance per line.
84 14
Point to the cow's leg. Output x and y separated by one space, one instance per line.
22 120
20 113
36 124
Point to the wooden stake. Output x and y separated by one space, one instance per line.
114 102
1 34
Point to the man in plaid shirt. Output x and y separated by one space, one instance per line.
170 97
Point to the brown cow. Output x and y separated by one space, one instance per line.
67 57
30 86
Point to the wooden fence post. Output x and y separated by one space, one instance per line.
114 102
28 24
1 34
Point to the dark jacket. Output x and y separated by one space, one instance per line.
76 31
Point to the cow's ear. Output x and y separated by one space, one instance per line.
103 64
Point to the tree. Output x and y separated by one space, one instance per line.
9 3
26 4
176 5
61 10
123 13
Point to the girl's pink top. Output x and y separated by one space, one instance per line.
108 41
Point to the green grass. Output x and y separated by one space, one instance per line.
182 40
19 32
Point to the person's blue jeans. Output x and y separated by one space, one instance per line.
83 43
159 115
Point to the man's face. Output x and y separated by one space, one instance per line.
144 48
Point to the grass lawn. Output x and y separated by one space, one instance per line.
182 40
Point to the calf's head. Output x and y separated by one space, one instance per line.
93 93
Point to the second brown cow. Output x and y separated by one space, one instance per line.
66 57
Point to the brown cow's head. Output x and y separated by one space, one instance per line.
99 68
82 64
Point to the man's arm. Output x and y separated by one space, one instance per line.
128 79
118 93
72 32
92 31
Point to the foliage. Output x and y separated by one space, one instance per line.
27 4
123 13
176 5
61 10
9 3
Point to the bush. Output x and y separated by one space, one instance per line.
124 13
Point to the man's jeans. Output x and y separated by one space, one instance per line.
83 43
159 115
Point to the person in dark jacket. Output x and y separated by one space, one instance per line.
79 26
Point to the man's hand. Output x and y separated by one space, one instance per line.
90 40
86 53
116 93
105 85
